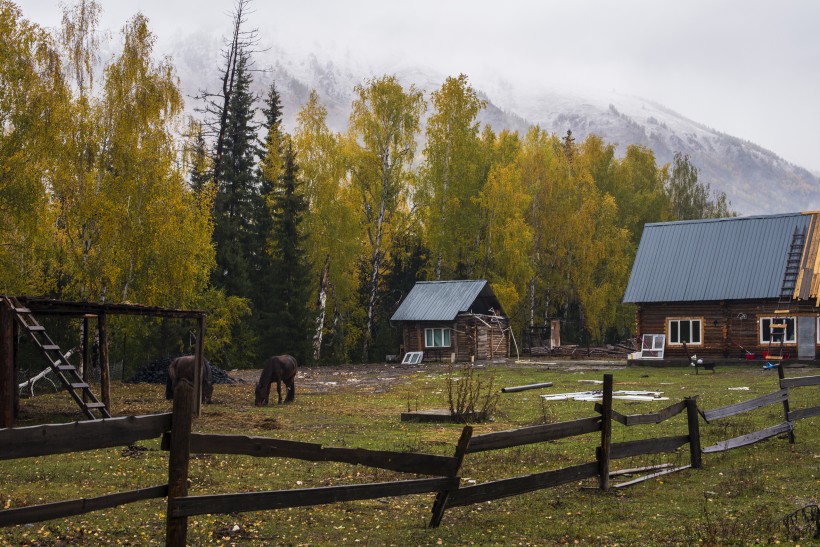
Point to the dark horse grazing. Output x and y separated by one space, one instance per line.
183 367
280 368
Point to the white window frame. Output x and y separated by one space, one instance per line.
444 330
775 319
691 321
652 346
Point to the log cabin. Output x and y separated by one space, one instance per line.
742 287
453 321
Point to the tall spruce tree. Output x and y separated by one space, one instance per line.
236 194
288 326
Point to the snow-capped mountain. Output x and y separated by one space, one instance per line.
756 180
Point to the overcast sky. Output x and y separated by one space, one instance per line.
749 68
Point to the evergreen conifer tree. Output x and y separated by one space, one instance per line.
288 329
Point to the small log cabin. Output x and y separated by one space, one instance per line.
461 320
743 287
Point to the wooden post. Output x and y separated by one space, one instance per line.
606 434
7 377
15 351
441 498
782 375
86 358
693 421
105 376
200 358
176 529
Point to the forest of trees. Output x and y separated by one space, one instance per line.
302 243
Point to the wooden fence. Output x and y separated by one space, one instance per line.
441 471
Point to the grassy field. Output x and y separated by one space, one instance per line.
740 497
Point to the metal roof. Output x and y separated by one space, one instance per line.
444 300
718 259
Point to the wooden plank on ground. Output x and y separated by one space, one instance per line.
404 462
60 509
751 438
803 413
633 470
280 499
42 440
647 446
515 389
800 381
651 476
514 486
534 434
652 418
745 406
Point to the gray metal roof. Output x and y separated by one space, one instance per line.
722 259
444 300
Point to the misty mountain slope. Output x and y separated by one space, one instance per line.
756 180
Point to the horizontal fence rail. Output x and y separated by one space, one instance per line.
281 499
505 488
647 446
800 381
44 440
404 462
534 434
746 406
60 509
643 419
750 438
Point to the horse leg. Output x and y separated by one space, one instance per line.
279 390
291 389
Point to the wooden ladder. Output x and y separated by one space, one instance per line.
62 368
794 258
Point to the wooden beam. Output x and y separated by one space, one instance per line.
105 376
751 438
803 413
533 434
515 486
693 424
42 440
176 526
280 499
515 389
800 381
60 509
640 447
641 419
650 476
781 374
7 378
604 451
403 462
745 406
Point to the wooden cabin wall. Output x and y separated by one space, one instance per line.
730 328
469 338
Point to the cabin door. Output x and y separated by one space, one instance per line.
806 336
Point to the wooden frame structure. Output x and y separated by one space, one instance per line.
9 394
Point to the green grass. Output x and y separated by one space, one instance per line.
738 498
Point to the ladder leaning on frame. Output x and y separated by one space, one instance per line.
787 289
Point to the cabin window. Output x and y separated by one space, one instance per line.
437 338
685 331
775 329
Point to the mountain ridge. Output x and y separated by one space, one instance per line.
756 180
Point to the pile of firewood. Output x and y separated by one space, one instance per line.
620 350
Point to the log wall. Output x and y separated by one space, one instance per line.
729 327
470 336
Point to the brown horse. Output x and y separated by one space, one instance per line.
279 369
183 367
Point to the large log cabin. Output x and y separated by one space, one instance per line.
743 287
461 320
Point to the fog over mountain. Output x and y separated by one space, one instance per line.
756 180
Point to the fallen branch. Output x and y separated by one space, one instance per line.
31 381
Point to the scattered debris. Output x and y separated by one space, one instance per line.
742 388
598 395
525 387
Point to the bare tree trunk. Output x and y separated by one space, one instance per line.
321 306
375 265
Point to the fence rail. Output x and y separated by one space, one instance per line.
180 442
